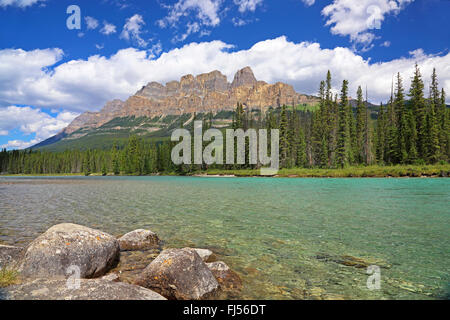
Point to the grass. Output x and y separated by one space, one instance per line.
8 277
369 171
375 171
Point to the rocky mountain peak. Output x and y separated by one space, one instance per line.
207 92
244 77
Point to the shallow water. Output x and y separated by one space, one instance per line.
284 237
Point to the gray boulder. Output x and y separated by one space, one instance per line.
95 289
227 278
9 256
138 240
64 247
179 274
205 254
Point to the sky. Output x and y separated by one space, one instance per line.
58 61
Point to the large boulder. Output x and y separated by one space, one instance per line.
227 278
205 254
179 274
9 256
95 289
138 240
64 247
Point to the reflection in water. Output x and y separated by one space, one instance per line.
287 238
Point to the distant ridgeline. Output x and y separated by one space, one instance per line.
328 131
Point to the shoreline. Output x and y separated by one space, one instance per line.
406 171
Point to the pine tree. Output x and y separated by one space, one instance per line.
360 126
418 107
284 136
381 130
433 146
402 122
342 151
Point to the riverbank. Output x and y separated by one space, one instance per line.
375 171
350 172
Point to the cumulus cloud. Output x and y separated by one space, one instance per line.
247 5
108 28
356 18
132 30
31 121
81 85
91 23
19 3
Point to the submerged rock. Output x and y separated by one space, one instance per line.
65 247
96 289
356 262
138 240
351 261
9 256
228 279
179 274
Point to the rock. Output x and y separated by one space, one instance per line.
351 261
179 274
68 245
205 254
244 77
356 262
9 255
96 289
138 240
228 279
207 92
111 277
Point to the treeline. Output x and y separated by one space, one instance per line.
410 129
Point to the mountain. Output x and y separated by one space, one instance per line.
156 107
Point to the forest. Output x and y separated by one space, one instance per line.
409 129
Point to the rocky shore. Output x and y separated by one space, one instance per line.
73 262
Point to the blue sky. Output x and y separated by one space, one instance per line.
50 74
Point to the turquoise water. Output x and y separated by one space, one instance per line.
273 232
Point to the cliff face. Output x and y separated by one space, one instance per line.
209 92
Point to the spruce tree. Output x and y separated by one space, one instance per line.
402 122
342 151
418 108
381 131
360 126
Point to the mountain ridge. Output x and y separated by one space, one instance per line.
206 92
203 93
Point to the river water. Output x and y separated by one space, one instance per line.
286 238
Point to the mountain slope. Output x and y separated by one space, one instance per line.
155 107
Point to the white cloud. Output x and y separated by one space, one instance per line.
81 85
108 28
31 121
195 14
91 23
155 50
99 46
309 2
355 18
247 5
19 3
132 30
207 12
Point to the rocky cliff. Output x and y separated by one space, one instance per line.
209 92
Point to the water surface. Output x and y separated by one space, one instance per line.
274 232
